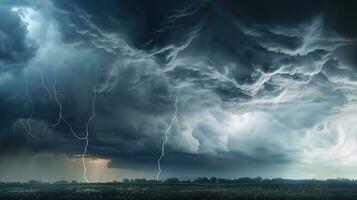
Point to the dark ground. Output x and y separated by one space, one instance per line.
175 191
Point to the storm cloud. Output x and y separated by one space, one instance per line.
269 93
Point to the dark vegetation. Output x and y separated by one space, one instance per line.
173 188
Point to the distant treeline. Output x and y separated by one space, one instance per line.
245 180
205 180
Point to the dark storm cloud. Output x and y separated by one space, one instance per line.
252 87
339 15
15 50
137 20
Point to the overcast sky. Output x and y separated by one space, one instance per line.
242 88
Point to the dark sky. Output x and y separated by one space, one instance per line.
241 88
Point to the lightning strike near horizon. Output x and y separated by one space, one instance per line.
60 117
166 138
87 130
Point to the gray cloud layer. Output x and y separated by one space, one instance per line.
278 94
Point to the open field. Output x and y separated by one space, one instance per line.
175 191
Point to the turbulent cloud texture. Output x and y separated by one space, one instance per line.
270 93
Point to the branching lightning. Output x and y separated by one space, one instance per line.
58 104
28 121
166 138
87 131
56 99
61 118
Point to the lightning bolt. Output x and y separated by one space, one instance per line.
58 103
60 117
165 139
28 121
87 131
55 97
71 129
44 84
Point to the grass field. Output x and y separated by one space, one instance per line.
175 191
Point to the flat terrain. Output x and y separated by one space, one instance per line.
175 191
